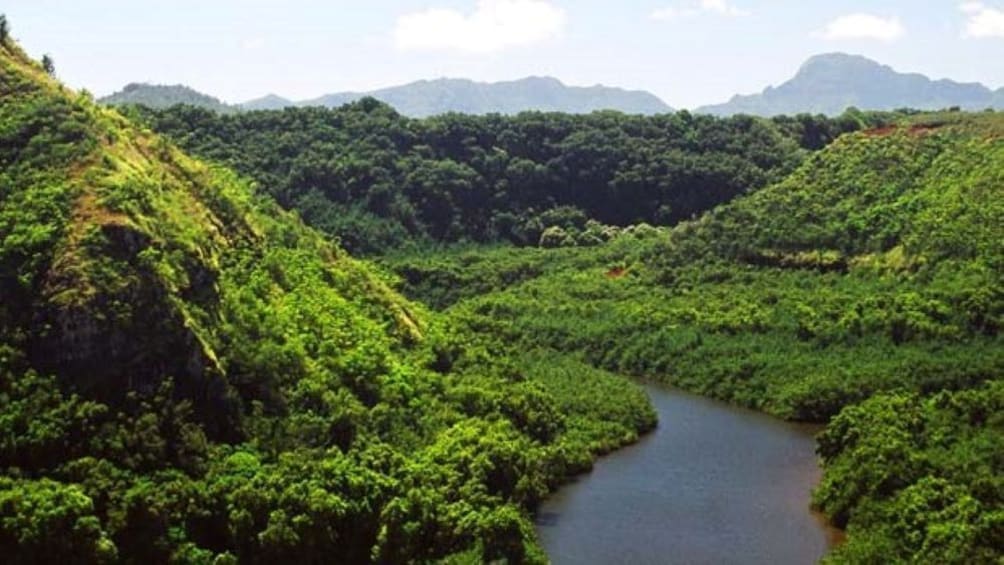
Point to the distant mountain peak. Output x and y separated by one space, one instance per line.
830 83
828 62
542 80
268 102
163 96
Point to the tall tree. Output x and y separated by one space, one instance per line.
48 65
4 28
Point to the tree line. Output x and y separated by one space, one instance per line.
378 181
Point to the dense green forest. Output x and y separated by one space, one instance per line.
866 288
378 181
189 374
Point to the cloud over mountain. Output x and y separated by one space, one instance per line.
493 26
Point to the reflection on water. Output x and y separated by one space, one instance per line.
713 484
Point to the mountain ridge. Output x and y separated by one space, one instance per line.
424 98
830 83
163 96
427 97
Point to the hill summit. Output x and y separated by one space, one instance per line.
164 96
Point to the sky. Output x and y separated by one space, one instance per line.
687 52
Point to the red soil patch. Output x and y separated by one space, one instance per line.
880 132
616 273
921 129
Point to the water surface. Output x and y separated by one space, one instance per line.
713 484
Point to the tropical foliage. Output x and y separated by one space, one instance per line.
378 181
866 288
189 374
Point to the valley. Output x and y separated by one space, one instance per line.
347 335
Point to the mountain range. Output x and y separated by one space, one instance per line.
428 97
824 84
831 83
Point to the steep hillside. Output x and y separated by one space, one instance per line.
189 374
865 289
832 83
164 96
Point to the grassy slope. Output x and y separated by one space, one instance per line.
188 373
875 270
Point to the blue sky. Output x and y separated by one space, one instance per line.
688 52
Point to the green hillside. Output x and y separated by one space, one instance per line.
381 182
866 289
193 369
189 374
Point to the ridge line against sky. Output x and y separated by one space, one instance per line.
687 52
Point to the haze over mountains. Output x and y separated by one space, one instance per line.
831 83
825 84
430 97
165 96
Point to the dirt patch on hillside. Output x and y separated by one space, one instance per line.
880 132
921 129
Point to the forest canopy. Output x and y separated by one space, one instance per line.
189 374
378 181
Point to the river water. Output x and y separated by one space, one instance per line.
712 484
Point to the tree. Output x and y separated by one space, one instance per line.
555 236
48 65
4 28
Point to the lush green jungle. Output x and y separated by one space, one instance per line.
190 374
380 182
193 369
865 290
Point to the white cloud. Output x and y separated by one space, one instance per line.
722 8
983 21
252 43
696 7
672 13
863 26
494 25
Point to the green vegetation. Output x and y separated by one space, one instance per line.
868 280
48 65
189 374
918 478
378 181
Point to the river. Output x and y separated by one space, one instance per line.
712 484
